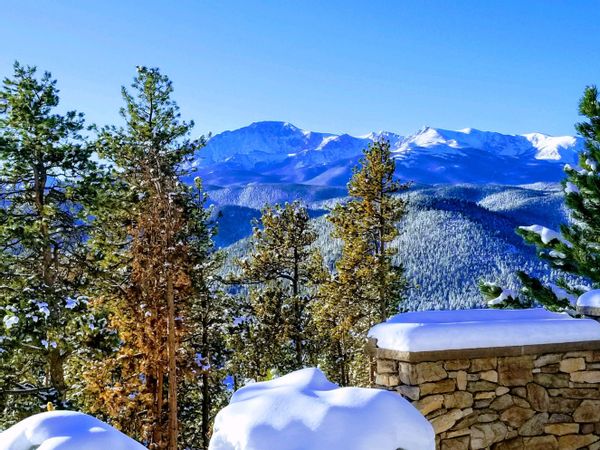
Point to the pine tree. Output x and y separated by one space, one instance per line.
367 286
575 249
46 177
273 327
151 297
204 392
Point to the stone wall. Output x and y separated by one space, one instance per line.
530 397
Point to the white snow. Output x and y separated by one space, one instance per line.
305 411
571 188
9 321
590 299
65 430
562 294
546 234
481 328
504 295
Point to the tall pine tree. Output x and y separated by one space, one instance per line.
152 291
273 326
367 286
575 250
46 174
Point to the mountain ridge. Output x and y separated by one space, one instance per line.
280 152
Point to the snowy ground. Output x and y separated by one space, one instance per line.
481 328
65 430
305 411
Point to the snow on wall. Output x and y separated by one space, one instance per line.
305 411
590 299
65 430
480 328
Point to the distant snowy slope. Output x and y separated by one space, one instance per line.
279 152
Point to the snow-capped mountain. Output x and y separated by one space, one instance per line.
279 152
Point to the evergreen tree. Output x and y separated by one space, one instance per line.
273 326
367 286
46 176
575 250
153 288
204 392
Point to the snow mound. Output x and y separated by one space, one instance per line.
305 411
65 430
590 299
480 328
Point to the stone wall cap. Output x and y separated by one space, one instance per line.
477 329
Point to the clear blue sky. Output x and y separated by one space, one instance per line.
325 65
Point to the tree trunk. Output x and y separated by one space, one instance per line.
172 349
205 410
57 375
297 311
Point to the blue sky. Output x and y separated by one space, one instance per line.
336 66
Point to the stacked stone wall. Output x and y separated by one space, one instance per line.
541 400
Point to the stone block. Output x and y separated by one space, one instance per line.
563 405
589 376
588 411
558 418
407 373
486 434
515 443
560 429
515 371
489 375
501 390
576 441
457 364
446 421
541 443
438 387
587 428
429 404
382 379
458 399
430 371
501 403
572 365
516 416
461 380
580 393
544 360
410 392
481 386
481 364
459 443
386 366
538 397
550 380
485 395
534 426
487 417
519 391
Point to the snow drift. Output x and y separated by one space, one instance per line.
65 430
305 411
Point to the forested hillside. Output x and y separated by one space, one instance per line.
452 237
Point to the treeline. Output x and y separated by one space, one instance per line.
112 294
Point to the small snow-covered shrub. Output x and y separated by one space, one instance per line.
305 411
65 430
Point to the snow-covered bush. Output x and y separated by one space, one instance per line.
65 430
305 411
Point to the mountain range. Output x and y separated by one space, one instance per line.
279 152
